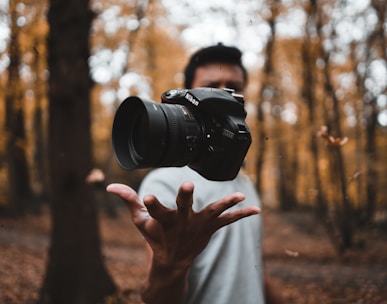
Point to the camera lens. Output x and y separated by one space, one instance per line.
149 134
138 133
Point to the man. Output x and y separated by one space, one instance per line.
194 254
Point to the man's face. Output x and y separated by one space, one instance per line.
219 75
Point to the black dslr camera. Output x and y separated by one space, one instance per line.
203 128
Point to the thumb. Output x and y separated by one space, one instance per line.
122 191
130 197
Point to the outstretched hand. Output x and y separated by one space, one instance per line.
177 236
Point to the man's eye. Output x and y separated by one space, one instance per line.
213 85
236 87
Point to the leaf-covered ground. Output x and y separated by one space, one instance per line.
298 255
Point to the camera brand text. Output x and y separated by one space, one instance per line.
191 99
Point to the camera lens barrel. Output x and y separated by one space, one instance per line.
149 134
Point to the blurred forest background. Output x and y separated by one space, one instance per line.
316 100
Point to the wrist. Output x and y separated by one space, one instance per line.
166 283
170 269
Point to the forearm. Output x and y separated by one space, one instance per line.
165 285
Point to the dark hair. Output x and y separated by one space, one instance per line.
214 54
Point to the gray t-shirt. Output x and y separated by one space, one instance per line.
229 270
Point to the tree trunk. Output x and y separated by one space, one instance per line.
377 48
75 270
40 126
310 82
266 85
19 190
344 214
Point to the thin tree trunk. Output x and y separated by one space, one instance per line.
310 54
19 192
376 43
309 85
266 84
344 220
39 123
358 177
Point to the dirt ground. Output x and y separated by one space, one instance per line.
298 256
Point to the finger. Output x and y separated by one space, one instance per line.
231 217
184 199
157 210
225 203
129 196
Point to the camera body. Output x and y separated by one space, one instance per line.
203 128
